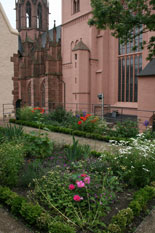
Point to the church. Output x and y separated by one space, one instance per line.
73 63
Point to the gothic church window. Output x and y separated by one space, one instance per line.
76 6
129 65
43 94
28 14
29 93
39 16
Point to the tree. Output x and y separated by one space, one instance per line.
122 16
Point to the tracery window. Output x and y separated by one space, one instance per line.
129 65
76 6
29 94
28 14
39 16
43 94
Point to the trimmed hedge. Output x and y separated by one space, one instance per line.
33 214
60 129
124 217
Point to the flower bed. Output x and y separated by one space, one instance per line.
73 189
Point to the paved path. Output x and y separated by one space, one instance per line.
8 224
68 139
148 224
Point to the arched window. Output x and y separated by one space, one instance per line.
72 46
39 16
76 6
43 94
29 94
28 14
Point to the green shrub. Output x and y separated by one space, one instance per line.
141 198
15 204
126 129
30 212
61 116
11 161
27 114
123 218
114 228
59 227
38 146
32 170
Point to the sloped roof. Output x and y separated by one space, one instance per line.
149 69
58 35
12 30
80 46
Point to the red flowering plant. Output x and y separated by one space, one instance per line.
89 123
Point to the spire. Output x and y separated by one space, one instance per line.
54 23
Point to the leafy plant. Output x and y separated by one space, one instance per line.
32 170
126 129
27 114
11 132
79 199
11 161
38 146
77 151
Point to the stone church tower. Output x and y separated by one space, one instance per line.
37 65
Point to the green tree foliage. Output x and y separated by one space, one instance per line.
121 16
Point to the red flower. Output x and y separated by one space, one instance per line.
88 115
40 109
83 118
77 198
83 175
71 186
79 122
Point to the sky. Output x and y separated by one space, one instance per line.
54 8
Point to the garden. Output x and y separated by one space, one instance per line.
69 188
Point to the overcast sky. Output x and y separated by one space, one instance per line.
55 10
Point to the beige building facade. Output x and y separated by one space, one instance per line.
8 46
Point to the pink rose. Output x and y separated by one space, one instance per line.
77 198
71 186
80 184
87 180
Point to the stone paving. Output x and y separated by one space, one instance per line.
9 225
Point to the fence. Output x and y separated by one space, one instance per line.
112 114
8 111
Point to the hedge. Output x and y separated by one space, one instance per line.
60 129
33 214
124 217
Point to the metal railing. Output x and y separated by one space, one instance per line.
112 114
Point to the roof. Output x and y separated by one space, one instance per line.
58 36
149 69
80 46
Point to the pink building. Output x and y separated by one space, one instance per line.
93 63
73 63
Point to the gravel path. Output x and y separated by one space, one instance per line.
8 224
